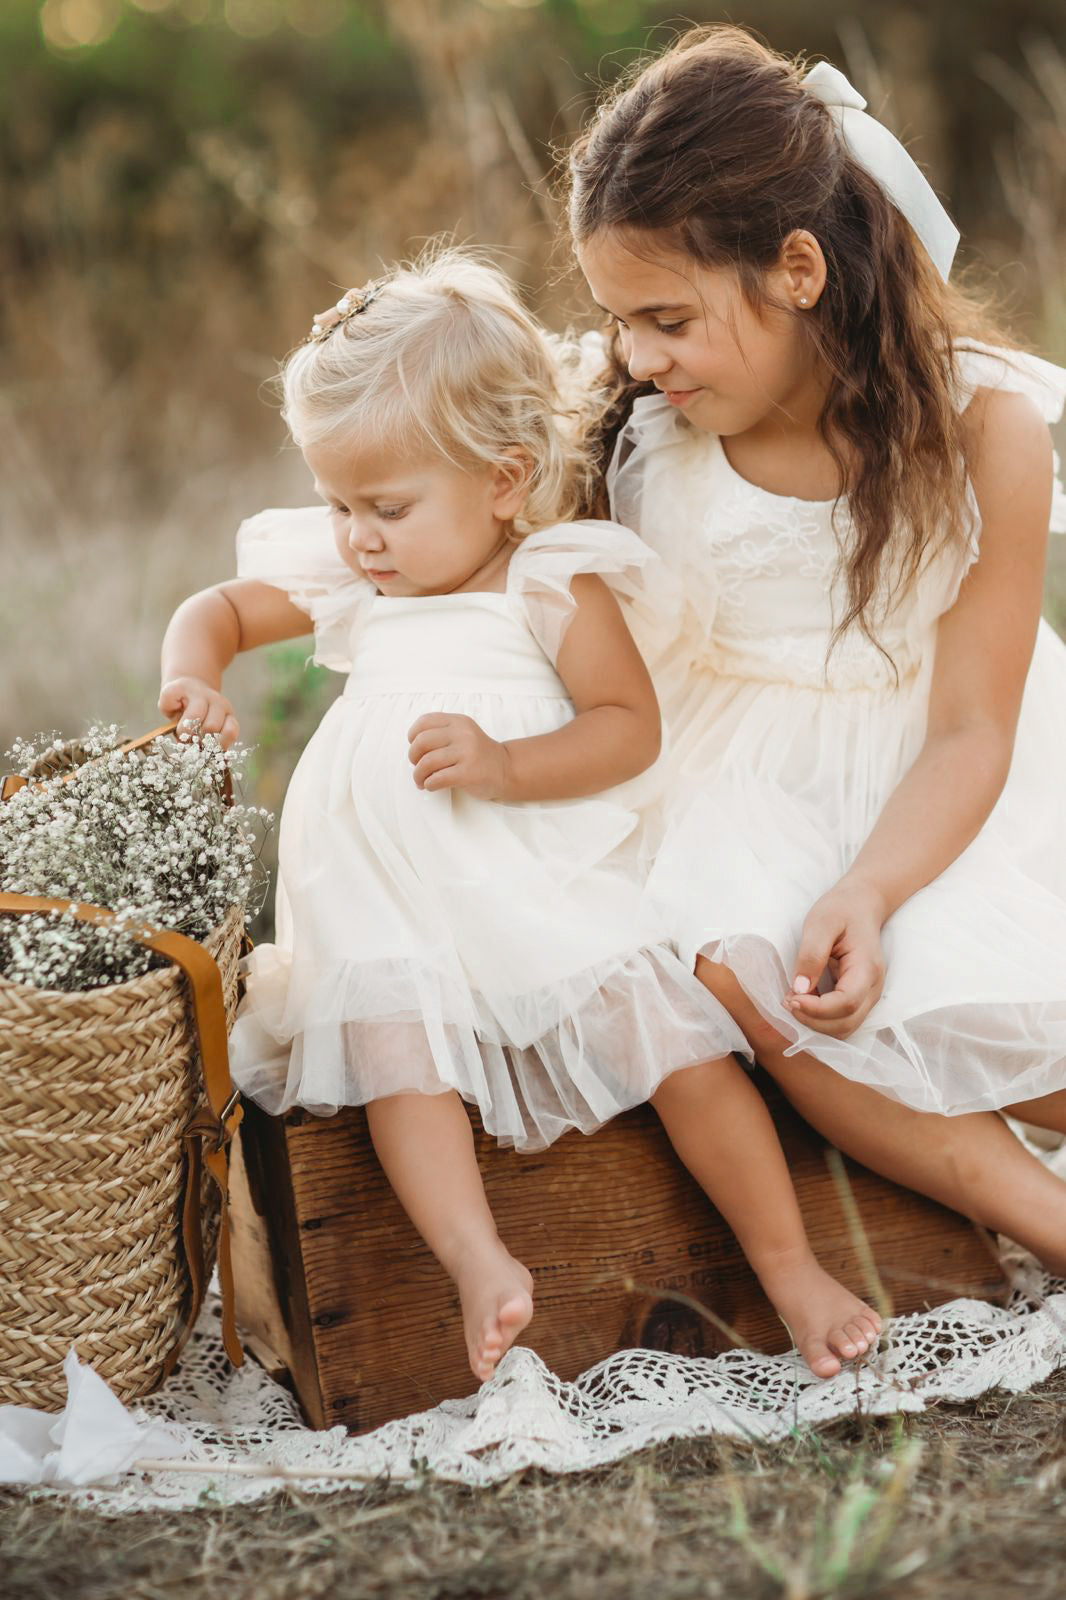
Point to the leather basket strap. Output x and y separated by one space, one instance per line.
211 1128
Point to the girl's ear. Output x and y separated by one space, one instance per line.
802 270
511 484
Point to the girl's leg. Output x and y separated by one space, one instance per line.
972 1163
721 1129
426 1148
1049 1111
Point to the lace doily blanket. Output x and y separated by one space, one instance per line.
239 1435
242 1436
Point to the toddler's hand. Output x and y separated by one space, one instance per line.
194 701
842 932
452 752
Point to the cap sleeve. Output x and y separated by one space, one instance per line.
659 483
986 366
545 564
653 431
294 550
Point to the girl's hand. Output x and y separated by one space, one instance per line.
842 932
452 752
195 701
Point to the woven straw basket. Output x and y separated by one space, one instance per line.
116 1113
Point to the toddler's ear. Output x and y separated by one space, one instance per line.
512 484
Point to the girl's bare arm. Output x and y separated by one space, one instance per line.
615 734
204 635
984 647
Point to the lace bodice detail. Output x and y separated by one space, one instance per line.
781 592
763 579
762 572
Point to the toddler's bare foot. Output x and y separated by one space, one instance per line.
828 1323
496 1293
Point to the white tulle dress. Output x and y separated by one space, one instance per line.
428 941
782 763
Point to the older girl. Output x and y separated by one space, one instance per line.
867 863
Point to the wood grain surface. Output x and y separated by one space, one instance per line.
334 1284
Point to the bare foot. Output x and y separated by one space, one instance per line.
496 1293
828 1323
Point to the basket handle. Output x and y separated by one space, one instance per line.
12 782
216 1122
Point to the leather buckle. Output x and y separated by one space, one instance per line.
224 1135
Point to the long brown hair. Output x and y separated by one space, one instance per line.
716 149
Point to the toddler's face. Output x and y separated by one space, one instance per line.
691 332
414 527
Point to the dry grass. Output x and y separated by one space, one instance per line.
961 1503
140 321
135 425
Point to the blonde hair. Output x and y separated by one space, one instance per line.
446 360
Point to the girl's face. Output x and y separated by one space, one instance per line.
415 526
690 330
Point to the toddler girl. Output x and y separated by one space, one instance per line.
867 859
459 914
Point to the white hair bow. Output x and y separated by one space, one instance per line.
884 158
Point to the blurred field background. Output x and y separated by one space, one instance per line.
184 182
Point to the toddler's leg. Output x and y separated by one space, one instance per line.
720 1127
972 1163
426 1147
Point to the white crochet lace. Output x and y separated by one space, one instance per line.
244 1435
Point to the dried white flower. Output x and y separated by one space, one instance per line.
145 833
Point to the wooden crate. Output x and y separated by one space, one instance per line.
334 1285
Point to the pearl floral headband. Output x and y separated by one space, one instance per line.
350 304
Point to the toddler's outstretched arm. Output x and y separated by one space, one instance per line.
202 638
615 734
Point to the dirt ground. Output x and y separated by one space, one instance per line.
960 1503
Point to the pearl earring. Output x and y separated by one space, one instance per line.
803 299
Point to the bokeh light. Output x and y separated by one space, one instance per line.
78 24
254 19
315 18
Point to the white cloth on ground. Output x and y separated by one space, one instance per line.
94 1439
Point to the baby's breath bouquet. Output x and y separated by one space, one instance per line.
145 833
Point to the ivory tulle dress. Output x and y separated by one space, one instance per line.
428 941
781 765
